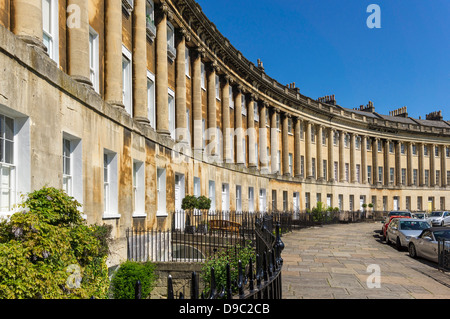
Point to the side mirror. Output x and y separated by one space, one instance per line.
427 238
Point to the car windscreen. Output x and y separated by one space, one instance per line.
413 225
442 234
436 214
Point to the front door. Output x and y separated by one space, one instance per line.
225 198
179 195
395 203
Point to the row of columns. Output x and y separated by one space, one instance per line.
28 26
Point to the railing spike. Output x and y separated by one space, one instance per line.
170 288
194 287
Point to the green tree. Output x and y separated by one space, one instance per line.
124 280
48 251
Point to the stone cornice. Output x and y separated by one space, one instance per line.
189 14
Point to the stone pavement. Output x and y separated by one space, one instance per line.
331 262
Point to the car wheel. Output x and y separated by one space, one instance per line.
412 251
442 223
398 244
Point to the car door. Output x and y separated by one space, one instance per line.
429 246
392 230
446 218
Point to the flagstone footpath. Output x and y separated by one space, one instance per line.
341 262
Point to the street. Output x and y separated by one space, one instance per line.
349 261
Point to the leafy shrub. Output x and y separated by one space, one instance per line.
203 202
124 280
48 251
189 202
219 262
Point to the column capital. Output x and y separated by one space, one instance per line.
213 66
165 9
199 52
185 34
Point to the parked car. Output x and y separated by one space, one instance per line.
420 215
401 230
396 213
426 244
439 218
386 224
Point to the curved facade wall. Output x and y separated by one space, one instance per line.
130 105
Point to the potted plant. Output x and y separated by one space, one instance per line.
188 204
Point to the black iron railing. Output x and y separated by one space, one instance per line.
260 282
444 255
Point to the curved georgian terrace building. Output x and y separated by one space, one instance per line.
129 105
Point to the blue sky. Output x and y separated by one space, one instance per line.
326 48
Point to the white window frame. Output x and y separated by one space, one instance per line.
110 185
230 95
94 59
171 103
187 62
76 166
138 170
161 192
197 186
238 198
171 50
251 199
52 34
151 99
217 84
127 85
203 76
212 194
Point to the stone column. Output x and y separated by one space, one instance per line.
285 144
331 133
78 42
432 165
308 157
182 131
398 163
161 77
319 152
273 140
387 178
238 125
263 137
113 53
409 169
421 164
252 160
197 99
27 22
297 151
375 142
364 159
211 106
139 69
352 158
341 156
443 166
226 131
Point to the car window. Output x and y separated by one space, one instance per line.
436 214
413 225
426 233
442 234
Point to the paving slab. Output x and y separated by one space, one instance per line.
340 262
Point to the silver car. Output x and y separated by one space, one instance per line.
401 230
439 218
420 215
426 244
